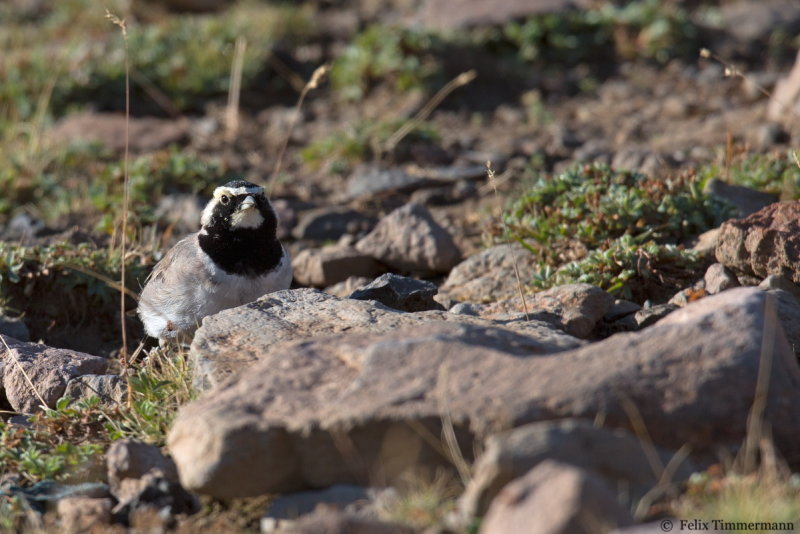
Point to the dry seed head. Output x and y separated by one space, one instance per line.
318 75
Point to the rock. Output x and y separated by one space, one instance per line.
282 425
286 212
785 99
333 522
346 288
14 327
789 316
706 243
234 339
409 240
616 455
578 306
489 275
639 160
619 309
461 14
718 278
48 368
372 181
110 389
326 266
746 200
83 514
330 223
755 21
774 281
22 227
766 242
146 133
769 135
467 308
556 498
400 292
154 492
646 317
130 460
294 505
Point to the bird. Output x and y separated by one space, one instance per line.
234 259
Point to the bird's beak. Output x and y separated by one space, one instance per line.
247 203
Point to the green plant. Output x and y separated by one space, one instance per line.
186 57
422 502
361 141
589 206
159 388
768 501
403 56
61 443
774 173
626 267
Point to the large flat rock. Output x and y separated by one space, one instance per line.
360 406
234 339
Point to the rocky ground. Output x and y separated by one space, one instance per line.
549 343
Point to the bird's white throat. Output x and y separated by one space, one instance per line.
249 217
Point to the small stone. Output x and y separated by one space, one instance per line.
330 223
129 459
466 308
110 389
294 505
718 278
555 498
775 281
346 288
400 293
578 306
619 309
746 199
321 267
14 327
411 241
371 181
327 521
83 514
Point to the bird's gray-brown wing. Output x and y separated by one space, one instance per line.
175 261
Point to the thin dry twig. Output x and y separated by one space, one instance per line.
407 127
747 458
124 350
493 183
316 78
22 369
732 71
455 455
235 90
113 284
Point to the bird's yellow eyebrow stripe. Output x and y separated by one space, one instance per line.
235 191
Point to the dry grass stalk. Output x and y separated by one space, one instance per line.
316 78
235 90
459 81
124 350
493 183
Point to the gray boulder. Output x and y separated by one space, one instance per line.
300 415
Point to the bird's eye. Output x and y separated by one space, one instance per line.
224 199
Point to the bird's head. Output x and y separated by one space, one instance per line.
239 205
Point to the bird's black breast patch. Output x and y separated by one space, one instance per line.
246 252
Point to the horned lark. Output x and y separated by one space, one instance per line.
234 259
